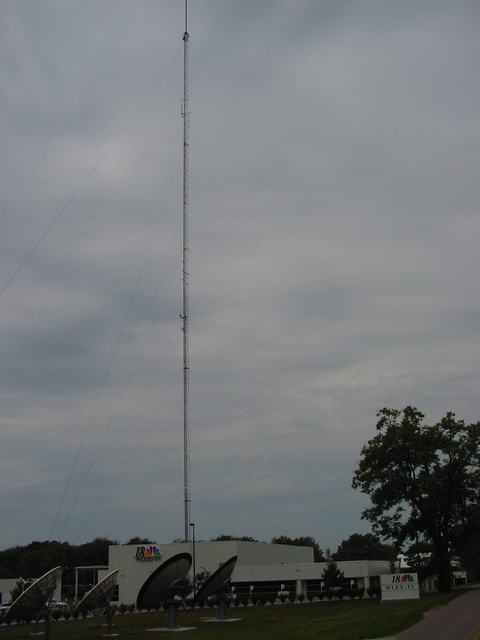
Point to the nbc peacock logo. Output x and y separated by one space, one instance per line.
144 554
407 578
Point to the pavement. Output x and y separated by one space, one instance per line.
458 620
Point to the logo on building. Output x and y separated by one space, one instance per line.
144 554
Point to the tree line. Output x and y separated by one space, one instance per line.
424 485
35 559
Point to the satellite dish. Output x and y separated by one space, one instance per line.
164 584
100 595
215 584
36 597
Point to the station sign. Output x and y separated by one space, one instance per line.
400 586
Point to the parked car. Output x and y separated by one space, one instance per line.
56 604
4 608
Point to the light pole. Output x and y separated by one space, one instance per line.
192 524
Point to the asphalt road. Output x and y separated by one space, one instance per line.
459 620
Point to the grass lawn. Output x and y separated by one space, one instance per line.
346 620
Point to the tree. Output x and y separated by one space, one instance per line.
94 552
420 557
302 541
332 576
139 540
469 543
225 537
423 482
364 547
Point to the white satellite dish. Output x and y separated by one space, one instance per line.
35 598
100 595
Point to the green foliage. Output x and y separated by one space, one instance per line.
139 540
57 614
200 579
19 588
187 588
303 541
423 483
225 537
94 552
35 559
332 576
364 547
420 557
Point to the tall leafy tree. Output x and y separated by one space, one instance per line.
364 547
423 482
302 541
332 576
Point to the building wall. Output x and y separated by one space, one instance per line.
6 585
257 564
359 571
134 570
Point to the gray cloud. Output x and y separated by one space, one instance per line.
333 266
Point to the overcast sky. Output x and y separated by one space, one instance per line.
334 260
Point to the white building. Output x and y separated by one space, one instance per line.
305 578
6 585
261 566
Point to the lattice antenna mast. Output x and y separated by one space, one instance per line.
185 316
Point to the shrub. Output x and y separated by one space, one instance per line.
340 594
56 614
